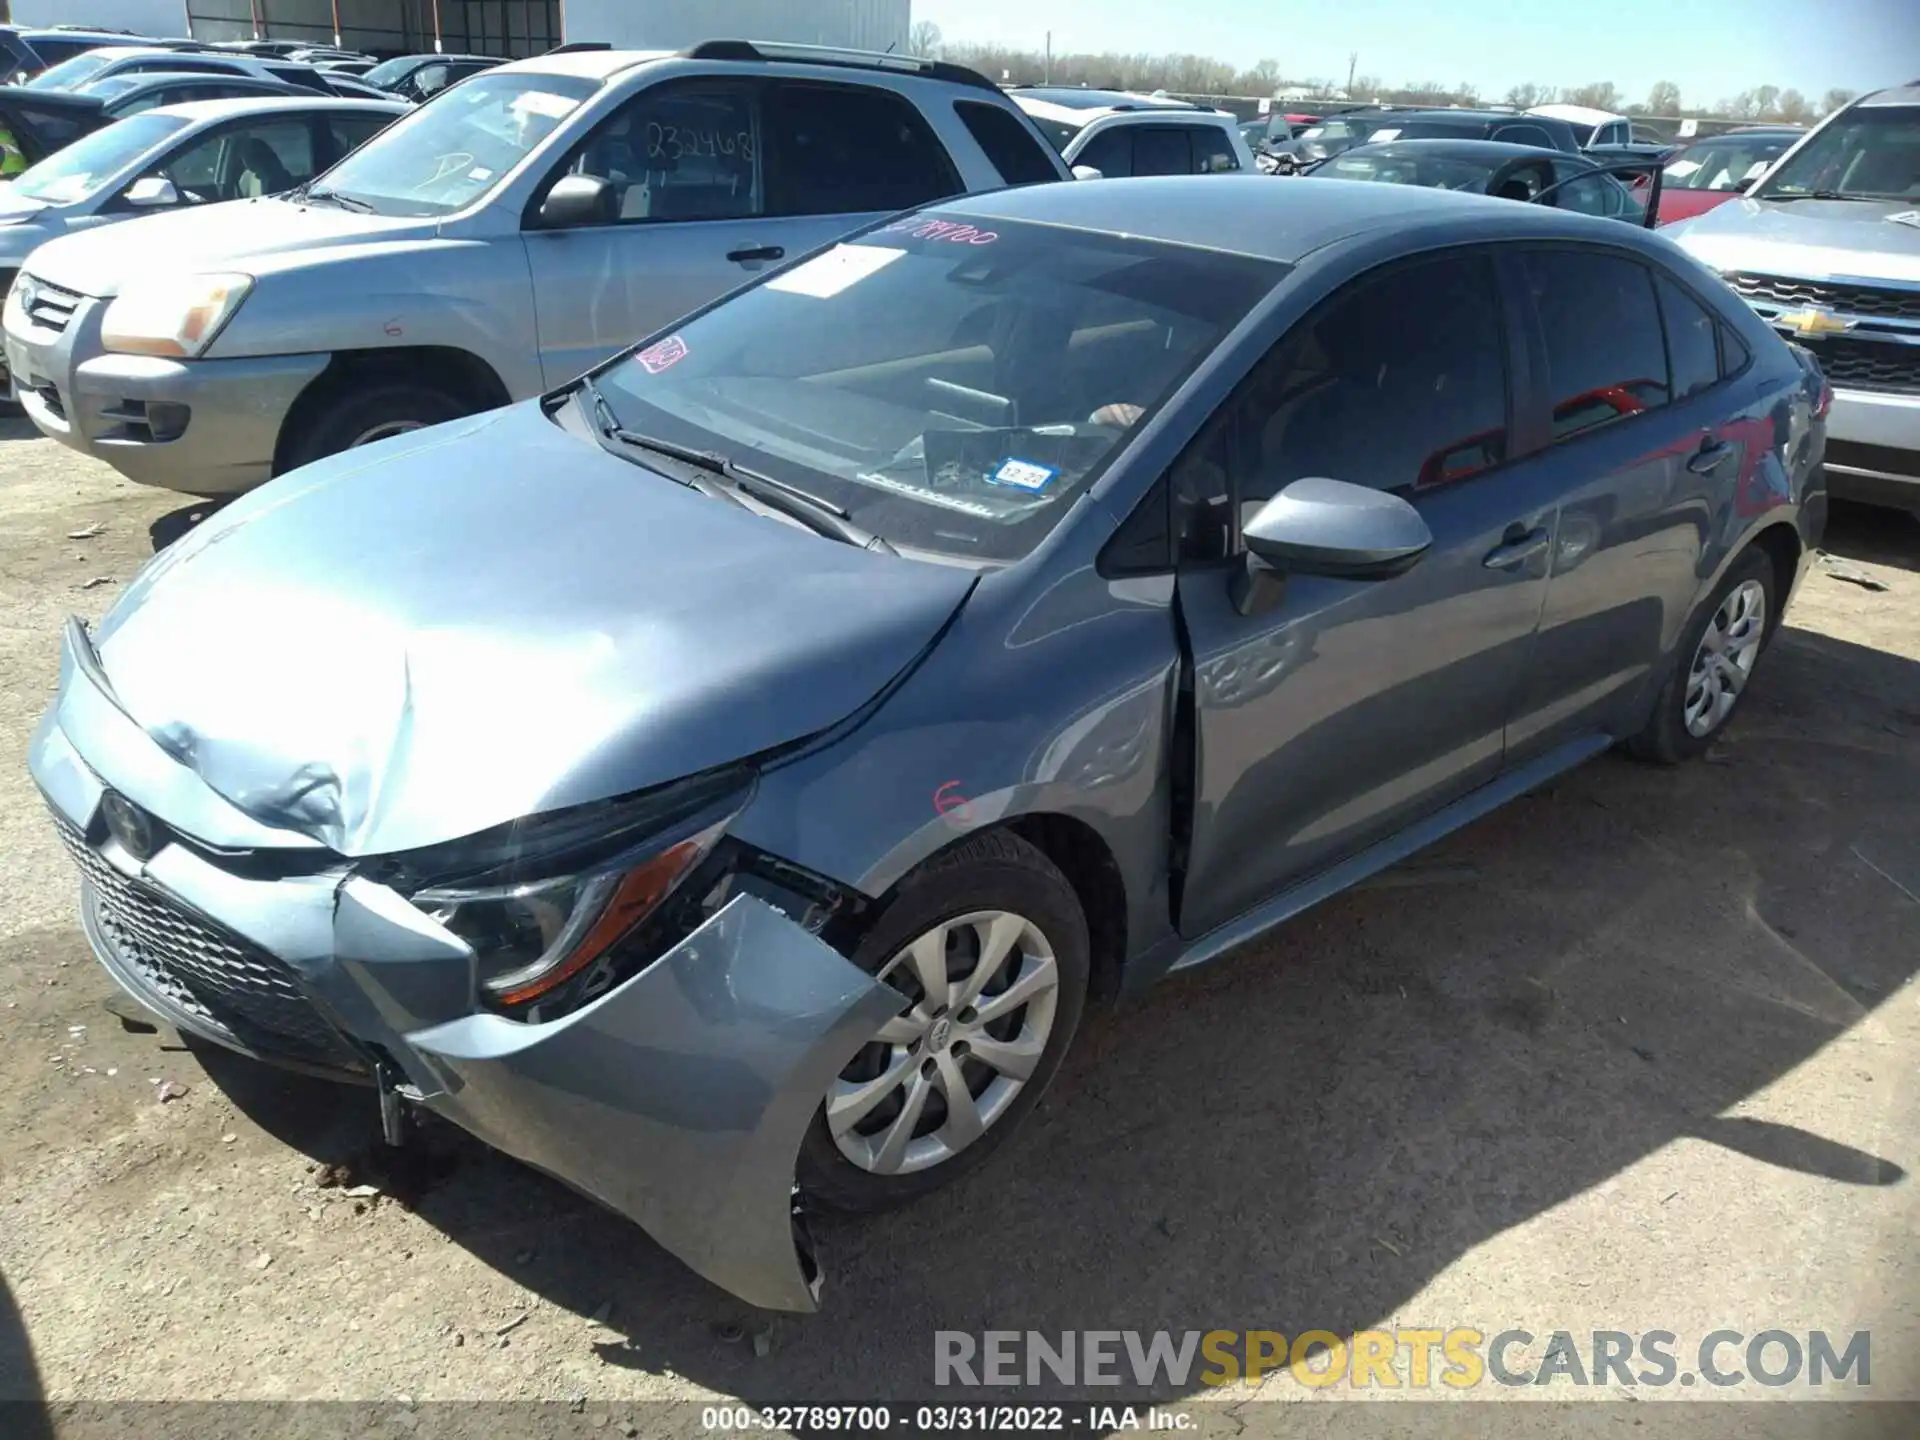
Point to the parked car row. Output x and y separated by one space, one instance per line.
627 773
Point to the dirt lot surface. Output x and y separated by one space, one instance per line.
1637 1053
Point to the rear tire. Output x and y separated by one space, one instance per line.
993 895
364 413
1709 678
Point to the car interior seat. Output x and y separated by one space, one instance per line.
261 172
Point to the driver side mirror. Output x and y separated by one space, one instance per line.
579 200
152 192
1088 172
1328 527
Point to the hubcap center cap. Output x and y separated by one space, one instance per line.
940 1033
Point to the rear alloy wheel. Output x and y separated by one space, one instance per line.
988 949
1714 666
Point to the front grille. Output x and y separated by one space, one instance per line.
1869 365
51 308
1880 302
215 977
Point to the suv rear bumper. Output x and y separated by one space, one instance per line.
217 439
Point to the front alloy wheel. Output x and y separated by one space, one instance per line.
985 988
1725 657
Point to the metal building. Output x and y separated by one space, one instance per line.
501 27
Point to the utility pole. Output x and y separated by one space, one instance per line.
1049 57
1353 63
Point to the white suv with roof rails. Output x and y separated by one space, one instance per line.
514 231
1120 134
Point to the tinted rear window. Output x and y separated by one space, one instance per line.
1007 143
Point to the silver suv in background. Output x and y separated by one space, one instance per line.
1826 248
179 155
524 225
1120 134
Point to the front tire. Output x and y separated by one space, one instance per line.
989 943
365 413
1713 664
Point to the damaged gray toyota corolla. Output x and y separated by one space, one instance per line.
724 780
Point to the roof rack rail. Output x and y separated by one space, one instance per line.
574 47
761 51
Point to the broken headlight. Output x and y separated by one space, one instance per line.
542 899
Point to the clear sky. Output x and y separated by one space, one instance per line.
1710 48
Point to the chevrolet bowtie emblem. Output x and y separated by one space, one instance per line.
1812 322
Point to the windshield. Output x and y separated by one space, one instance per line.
953 383
85 167
388 71
69 73
1060 132
1582 134
1729 162
1395 168
1871 152
113 85
450 152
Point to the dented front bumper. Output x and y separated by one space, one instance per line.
679 1098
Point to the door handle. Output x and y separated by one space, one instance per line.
1711 455
757 252
1516 548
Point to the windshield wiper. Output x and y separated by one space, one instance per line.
307 194
823 517
1823 195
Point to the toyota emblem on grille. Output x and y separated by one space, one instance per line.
130 825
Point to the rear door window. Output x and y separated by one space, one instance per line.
347 133
1008 144
1163 150
1606 353
850 150
1524 135
1213 151
1690 340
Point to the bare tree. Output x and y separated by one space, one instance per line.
1364 87
1525 97
1663 98
1262 79
1835 99
1601 95
1793 108
1765 98
924 39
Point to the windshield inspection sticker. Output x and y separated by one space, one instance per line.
663 355
1023 475
1380 137
825 276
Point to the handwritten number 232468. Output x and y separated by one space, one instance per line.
679 142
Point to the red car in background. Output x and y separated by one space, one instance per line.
1712 171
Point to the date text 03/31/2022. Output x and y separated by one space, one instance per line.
922 1419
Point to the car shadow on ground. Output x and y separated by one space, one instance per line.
23 1416
14 425
1306 1134
1873 534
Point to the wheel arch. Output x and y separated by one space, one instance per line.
449 367
1781 543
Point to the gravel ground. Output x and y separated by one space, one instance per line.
1636 1053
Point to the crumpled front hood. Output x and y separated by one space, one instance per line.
490 619
248 236
1811 238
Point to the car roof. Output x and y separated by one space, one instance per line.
198 110
1493 152
1145 106
1577 114
1257 215
423 56
1894 95
1471 117
1072 97
592 64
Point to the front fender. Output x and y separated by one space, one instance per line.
681 1098
471 295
